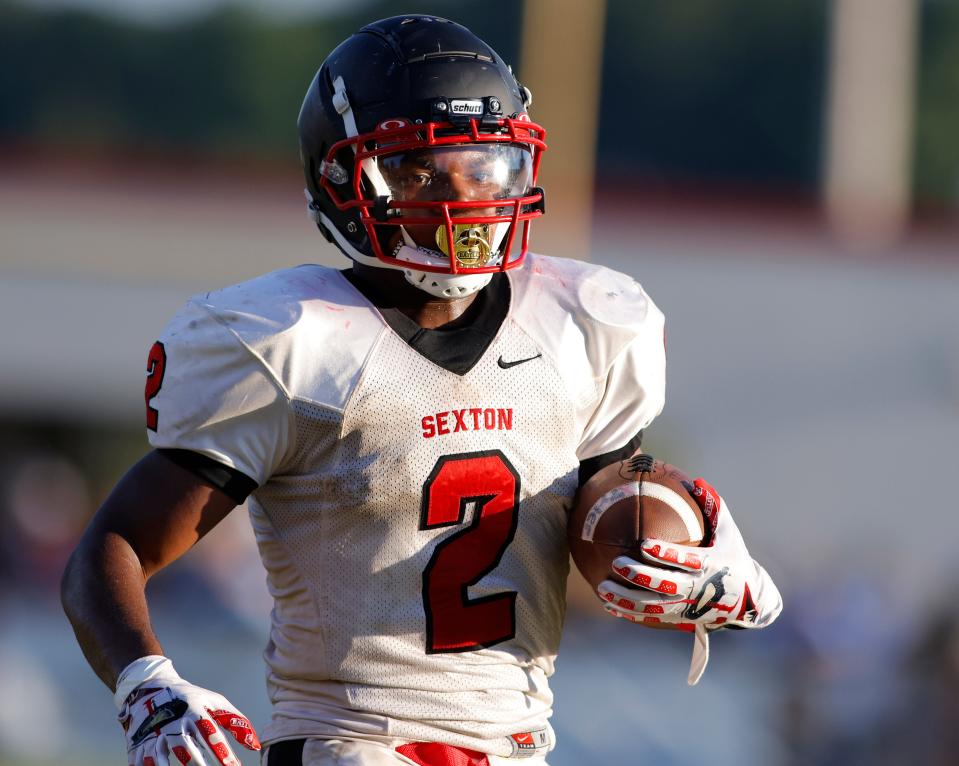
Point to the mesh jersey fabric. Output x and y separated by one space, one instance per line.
411 520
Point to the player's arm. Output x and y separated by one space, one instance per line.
219 420
720 585
154 515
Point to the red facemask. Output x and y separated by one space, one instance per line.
471 185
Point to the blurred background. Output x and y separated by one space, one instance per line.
783 178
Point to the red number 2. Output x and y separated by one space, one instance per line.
156 366
487 481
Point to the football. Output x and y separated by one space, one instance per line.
625 503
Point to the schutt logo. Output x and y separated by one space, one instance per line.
466 107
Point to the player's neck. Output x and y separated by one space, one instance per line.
387 288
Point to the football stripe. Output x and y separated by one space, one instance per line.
676 502
604 503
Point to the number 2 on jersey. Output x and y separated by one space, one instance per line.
489 483
156 366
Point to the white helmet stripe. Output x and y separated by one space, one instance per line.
342 104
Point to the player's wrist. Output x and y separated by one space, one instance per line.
767 598
138 672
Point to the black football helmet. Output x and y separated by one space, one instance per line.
419 154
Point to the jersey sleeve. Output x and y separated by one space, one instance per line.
635 389
209 393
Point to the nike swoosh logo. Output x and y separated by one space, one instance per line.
705 597
507 365
709 596
168 711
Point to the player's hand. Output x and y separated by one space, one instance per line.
169 721
718 585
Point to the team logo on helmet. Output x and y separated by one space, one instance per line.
395 124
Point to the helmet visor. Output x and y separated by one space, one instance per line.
490 171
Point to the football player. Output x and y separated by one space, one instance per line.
408 436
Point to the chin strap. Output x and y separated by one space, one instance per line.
447 285
437 285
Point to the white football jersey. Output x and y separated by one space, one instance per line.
412 520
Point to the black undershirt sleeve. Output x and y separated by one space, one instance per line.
234 484
591 465
288 752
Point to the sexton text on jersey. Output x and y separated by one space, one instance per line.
467 419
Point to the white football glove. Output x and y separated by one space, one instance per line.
169 721
704 588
